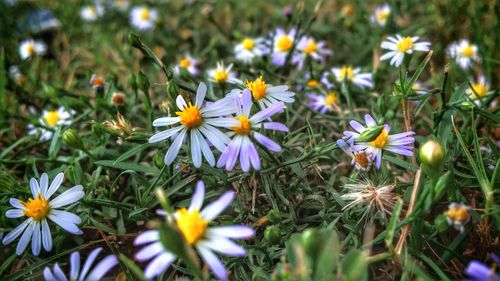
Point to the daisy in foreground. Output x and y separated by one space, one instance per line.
323 103
246 131
193 224
38 209
82 274
308 47
143 18
348 73
479 90
381 15
464 53
222 74
398 46
398 143
51 119
266 95
30 47
283 43
250 48
187 63
197 122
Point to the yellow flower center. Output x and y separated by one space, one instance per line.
248 44
52 118
383 15
221 75
190 116
185 62
313 83
381 140
31 49
145 14
458 213
284 43
346 72
405 44
244 128
258 88
37 208
191 225
311 47
330 99
468 51
479 90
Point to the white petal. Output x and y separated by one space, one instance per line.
102 268
181 103
35 189
211 211
159 265
74 265
88 263
165 134
198 196
46 236
175 147
146 237
16 203
14 213
200 94
56 183
70 217
36 244
224 246
44 184
68 197
11 236
166 121
232 231
196 148
48 276
149 251
25 238
65 224
213 262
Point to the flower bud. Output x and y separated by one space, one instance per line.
70 138
370 134
431 155
272 234
310 240
274 216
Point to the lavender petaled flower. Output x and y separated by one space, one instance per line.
308 47
241 144
478 271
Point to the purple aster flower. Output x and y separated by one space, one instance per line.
82 274
308 47
241 144
193 224
323 103
397 143
282 44
361 160
478 271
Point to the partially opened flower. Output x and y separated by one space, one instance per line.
458 215
222 74
308 47
82 273
479 89
38 210
282 45
265 94
361 160
249 49
323 103
30 47
244 134
398 46
188 63
143 18
198 122
51 119
91 13
464 53
398 143
194 225
348 73
381 15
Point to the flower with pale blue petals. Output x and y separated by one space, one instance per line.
398 46
323 103
282 45
308 47
265 94
193 224
478 271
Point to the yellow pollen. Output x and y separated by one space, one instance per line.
221 75
330 99
244 128
362 159
311 47
284 43
248 44
258 88
185 62
346 72
468 51
37 208
381 140
52 118
145 15
191 225
313 83
31 49
383 15
190 116
479 90
458 213
405 44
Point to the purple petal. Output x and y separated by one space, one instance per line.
267 142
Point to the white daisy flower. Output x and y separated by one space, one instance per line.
308 47
193 224
458 215
222 74
479 90
143 18
323 103
348 73
199 123
399 46
266 94
250 48
91 13
283 43
51 119
82 274
464 53
30 47
381 14
38 209
189 63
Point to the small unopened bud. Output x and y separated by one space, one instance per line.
274 216
370 134
71 139
310 240
431 155
272 234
